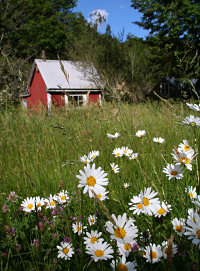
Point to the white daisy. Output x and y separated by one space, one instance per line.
102 196
65 251
123 265
184 147
195 107
118 152
140 133
161 209
165 249
144 202
51 201
127 151
192 193
125 248
192 230
125 231
93 154
184 158
191 214
108 223
63 197
116 135
92 238
126 185
100 251
115 168
92 179
179 225
78 227
192 121
158 140
85 159
173 171
152 253
197 201
92 220
39 202
28 204
133 156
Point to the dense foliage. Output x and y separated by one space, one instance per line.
175 26
129 66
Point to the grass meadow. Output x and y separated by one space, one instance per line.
40 156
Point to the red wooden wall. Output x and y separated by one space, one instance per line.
37 91
58 99
93 98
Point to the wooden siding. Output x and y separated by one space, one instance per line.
37 91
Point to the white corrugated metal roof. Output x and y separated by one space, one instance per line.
78 78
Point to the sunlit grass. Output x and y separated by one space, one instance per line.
40 155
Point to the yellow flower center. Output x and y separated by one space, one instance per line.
30 206
52 203
139 205
192 123
190 195
145 201
140 135
186 148
174 173
94 156
85 162
179 228
122 267
198 233
161 211
63 197
127 246
186 160
39 205
99 196
91 181
78 228
93 240
153 255
92 220
118 154
99 253
125 151
66 250
120 233
113 168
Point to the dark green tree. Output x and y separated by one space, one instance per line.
29 26
174 26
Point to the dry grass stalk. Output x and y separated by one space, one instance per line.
170 251
109 216
179 157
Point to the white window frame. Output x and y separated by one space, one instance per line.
83 98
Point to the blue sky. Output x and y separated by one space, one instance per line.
119 15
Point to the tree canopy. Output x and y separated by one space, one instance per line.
28 26
175 28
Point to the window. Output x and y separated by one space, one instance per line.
76 100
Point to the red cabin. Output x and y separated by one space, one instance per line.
60 83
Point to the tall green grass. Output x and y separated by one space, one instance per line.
39 153
35 146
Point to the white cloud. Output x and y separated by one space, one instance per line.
121 6
98 17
